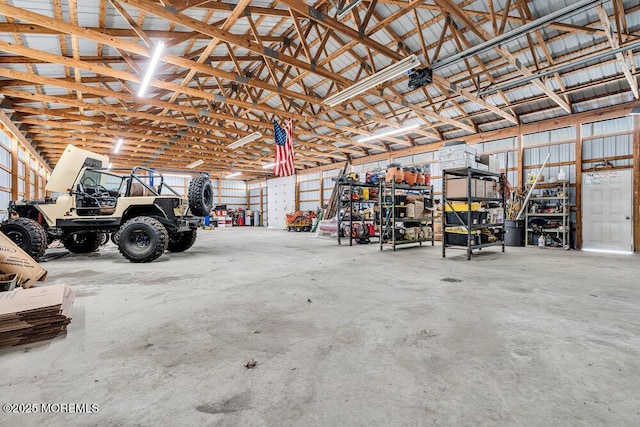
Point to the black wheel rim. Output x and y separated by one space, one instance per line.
16 237
140 239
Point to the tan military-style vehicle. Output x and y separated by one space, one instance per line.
144 216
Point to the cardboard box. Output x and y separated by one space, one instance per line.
14 260
458 148
466 162
491 190
458 187
481 188
491 161
457 156
481 167
411 210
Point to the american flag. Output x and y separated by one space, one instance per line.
284 149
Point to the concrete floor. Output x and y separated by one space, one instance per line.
341 336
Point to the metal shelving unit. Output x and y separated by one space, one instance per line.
388 221
348 205
473 236
562 232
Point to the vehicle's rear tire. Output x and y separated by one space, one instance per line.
142 239
27 234
200 195
81 243
180 242
115 237
103 238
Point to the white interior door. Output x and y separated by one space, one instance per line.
281 200
607 212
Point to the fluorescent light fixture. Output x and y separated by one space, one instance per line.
345 11
268 166
374 80
389 133
247 139
195 164
152 67
118 146
232 175
635 111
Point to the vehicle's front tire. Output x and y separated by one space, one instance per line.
142 239
180 242
27 234
81 243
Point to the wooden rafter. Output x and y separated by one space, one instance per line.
281 65
615 44
454 9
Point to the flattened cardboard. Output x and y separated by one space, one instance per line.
36 314
14 260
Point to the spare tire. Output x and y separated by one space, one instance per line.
200 195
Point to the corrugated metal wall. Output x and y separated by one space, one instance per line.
233 193
504 149
560 145
254 195
179 184
537 147
610 138
328 183
309 191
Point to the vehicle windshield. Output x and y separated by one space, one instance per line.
110 182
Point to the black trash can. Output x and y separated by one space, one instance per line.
515 233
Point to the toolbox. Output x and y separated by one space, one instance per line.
458 236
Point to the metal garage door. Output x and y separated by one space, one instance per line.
281 196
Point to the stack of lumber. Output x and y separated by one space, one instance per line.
34 314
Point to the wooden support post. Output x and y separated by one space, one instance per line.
14 169
36 177
636 183
261 207
521 176
27 177
578 186
297 204
246 186
321 189
219 191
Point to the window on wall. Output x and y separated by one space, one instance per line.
5 141
41 192
5 198
31 174
5 156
